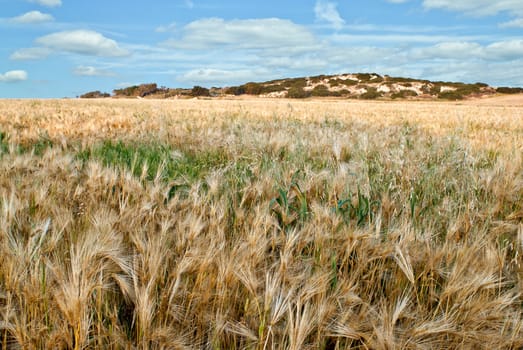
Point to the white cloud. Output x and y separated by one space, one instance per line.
89 71
32 53
470 51
359 55
477 7
495 73
327 11
206 76
32 17
516 23
48 3
219 52
83 42
265 33
13 76
449 50
168 28
399 39
505 50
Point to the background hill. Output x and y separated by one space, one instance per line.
355 85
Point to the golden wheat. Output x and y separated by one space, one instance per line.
264 225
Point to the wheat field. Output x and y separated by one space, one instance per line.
260 224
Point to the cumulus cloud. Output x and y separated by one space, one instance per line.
168 28
477 7
516 23
467 51
83 42
32 17
216 76
262 33
450 50
227 50
89 71
13 76
495 73
31 53
505 50
48 3
326 11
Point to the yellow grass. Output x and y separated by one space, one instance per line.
260 224
483 123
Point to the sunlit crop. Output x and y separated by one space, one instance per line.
260 224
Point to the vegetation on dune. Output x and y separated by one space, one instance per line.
298 92
369 77
342 85
460 92
272 88
371 94
198 91
321 91
137 90
404 94
509 90
206 225
95 94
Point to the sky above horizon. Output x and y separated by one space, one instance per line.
64 48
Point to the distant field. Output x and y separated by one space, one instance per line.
261 224
501 100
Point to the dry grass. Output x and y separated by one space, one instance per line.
251 224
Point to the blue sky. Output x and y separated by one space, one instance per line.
63 48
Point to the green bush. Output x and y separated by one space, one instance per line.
200 91
371 94
137 90
450 95
509 90
468 89
404 94
128 91
253 88
403 80
318 78
297 92
267 89
370 77
462 90
435 89
364 76
235 90
335 82
350 82
95 94
295 83
179 92
321 91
